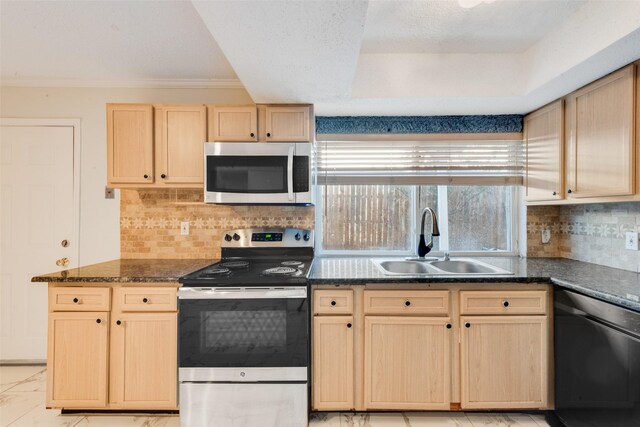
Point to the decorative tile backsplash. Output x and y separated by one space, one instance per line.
593 233
150 223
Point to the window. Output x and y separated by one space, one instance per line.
371 193
385 219
366 217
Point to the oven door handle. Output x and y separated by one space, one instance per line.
290 172
298 292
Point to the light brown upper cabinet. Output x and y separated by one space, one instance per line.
161 146
233 123
287 123
181 131
129 144
600 137
543 138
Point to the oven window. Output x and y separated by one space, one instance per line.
257 333
236 330
247 174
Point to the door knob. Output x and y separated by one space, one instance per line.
62 262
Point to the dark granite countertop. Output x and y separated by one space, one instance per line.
128 270
619 287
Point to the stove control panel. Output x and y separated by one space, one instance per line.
268 237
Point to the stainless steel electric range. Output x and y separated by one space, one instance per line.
244 333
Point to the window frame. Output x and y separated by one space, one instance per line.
442 221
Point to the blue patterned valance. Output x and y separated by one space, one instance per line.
419 124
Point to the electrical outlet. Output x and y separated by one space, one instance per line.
546 236
184 228
631 240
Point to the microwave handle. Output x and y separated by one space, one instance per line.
290 172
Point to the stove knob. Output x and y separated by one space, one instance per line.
306 237
227 237
236 237
297 236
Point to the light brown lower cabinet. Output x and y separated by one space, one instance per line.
504 362
333 363
406 363
120 358
447 347
77 359
143 360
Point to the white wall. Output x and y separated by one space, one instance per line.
99 218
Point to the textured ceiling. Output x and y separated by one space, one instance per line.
294 51
348 57
504 26
107 40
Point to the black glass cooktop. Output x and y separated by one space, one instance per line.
238 271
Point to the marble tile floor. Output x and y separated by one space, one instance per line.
22 397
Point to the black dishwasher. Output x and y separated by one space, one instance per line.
597 362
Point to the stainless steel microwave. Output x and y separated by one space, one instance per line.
257 173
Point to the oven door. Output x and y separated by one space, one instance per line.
257 173
243 334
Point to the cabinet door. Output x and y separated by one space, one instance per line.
287 124
181 134
504 362
543 137
233 124
129 144
77 360
602 151
407 363
332 363
143 360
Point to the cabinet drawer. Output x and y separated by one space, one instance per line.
79 299
333 302
503 302
145 299
431 303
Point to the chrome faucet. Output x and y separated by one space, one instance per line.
425 248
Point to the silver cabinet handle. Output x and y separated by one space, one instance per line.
290 173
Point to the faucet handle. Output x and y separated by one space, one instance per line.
447 257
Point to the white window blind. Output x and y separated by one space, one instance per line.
446 161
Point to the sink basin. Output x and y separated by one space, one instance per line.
407 267
464 267
455 267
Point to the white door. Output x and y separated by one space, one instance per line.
37 213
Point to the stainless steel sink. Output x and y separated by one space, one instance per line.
455 267
407 267
464 267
